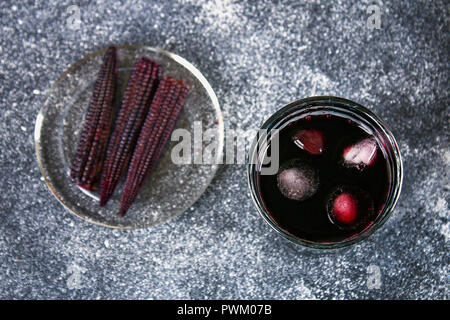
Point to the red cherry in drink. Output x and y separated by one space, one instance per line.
310 140
345 209
349 207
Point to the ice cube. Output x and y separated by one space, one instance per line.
297 180
310 140
362 153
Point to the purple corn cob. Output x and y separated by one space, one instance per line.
159 124
138 94
87 163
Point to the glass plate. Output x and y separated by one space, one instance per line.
171 188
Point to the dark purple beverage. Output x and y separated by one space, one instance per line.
333 180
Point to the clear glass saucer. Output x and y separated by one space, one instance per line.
171 188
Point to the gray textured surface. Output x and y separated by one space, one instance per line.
257 57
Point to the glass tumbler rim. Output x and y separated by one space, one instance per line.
324 105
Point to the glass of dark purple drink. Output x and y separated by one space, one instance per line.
335 172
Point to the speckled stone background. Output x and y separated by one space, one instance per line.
258 57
